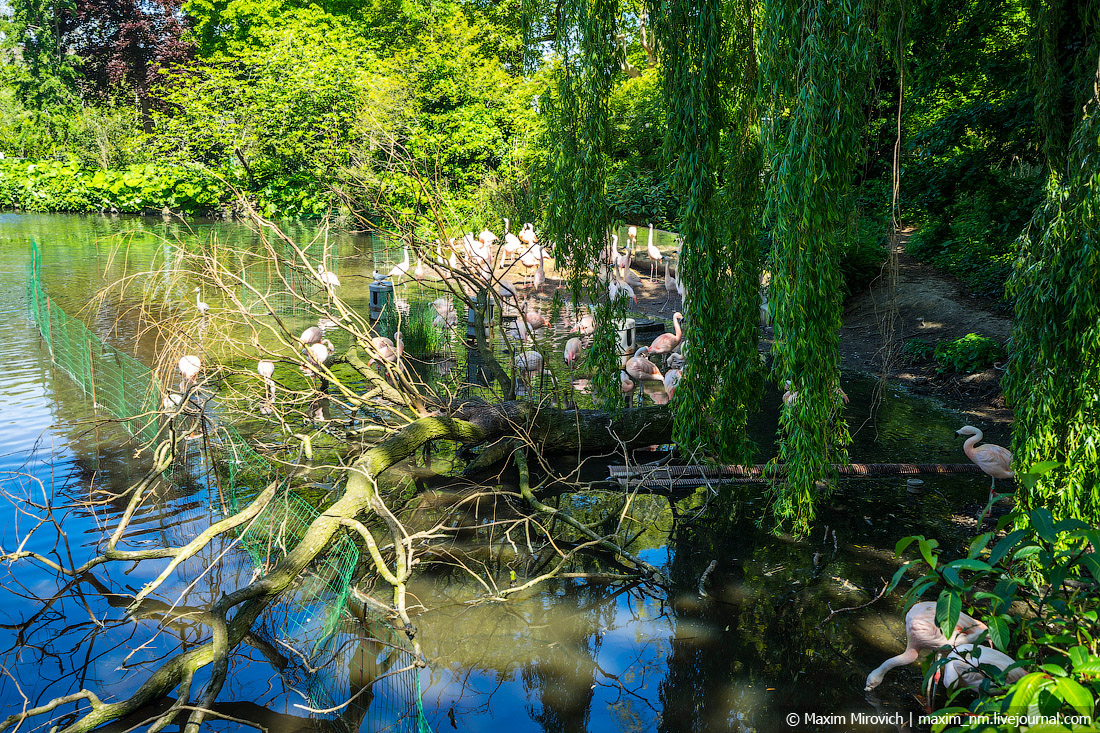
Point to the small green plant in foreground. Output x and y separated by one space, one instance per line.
968 354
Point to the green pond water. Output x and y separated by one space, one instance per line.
578 654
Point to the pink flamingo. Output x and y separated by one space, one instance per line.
641 368
922 634
534 318
586 325
626 384
672 381
572 351
311 335
631 236
386 349
666 343
994 460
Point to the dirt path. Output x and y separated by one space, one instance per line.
931 307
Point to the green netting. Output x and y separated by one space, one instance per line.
115 381
282 285
234 474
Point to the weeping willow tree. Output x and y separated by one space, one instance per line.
712 141
1053 378
577 215
814 64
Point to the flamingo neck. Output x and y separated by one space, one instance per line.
676 324
972 442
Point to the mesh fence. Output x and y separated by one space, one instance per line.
312 619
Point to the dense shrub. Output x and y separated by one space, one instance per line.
969 353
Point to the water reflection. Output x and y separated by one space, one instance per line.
580 653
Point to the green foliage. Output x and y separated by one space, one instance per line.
1053 377
814 70
972 172
577 218
1051 572
917 349
712 144
641 197
46 75
51 185
967 354
283 115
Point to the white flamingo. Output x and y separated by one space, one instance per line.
199 303
655 255
400 269
512 245
327 277
189 367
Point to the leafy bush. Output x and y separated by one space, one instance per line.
1038 590
917 349
641 198
968 354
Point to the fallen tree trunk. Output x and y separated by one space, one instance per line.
553 430
546 430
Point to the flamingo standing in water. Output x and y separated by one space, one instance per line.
922 634
311 335
655 255
672 381
528 363
387 350
400 269
572 351
327 277
534 318
641 368
626 385
199 303
266 369
994 460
